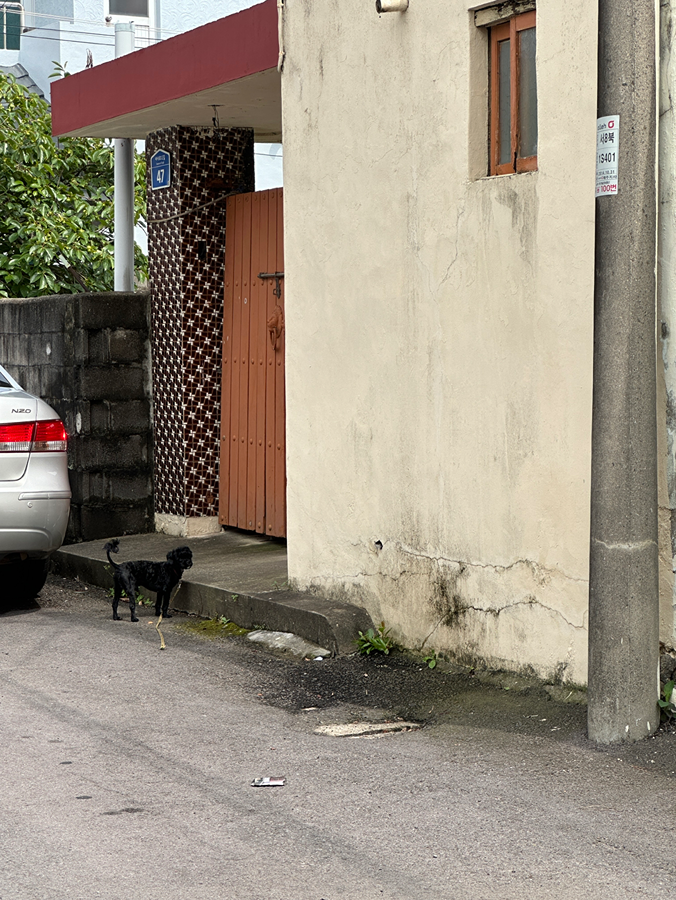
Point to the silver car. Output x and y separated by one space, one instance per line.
34 489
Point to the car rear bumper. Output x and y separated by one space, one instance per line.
34 509
38 529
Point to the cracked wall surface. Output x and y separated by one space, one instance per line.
520 616
440 331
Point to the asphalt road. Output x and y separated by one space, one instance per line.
127 770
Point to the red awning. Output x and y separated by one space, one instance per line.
230 64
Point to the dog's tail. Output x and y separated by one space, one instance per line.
112 547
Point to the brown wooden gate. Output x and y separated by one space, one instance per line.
253 448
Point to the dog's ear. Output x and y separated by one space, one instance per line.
177 553
186 557
181 556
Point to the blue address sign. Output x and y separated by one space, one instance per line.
160 169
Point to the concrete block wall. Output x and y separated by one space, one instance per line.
88 356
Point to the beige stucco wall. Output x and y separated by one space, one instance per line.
439 331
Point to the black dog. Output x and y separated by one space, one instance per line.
161 577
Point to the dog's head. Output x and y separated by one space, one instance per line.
181 557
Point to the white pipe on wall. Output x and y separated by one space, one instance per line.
124 214
124 38
280 34
383 6
124 183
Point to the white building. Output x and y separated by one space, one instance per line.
46 35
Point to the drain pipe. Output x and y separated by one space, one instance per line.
124 183
623 576
280 34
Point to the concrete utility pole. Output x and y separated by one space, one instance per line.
623 580
666 269
124 183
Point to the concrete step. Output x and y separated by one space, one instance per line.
241 576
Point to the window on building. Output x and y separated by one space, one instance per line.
10 26
128 8
513 95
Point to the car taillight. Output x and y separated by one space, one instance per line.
49 436
16 438
36 437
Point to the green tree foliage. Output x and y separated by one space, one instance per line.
56 202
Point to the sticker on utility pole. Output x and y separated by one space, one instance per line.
160 170
607 154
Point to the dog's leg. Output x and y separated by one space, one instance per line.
166 596
165 607
116 599
130 588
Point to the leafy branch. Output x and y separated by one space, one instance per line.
56 195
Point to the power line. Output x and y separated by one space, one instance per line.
74 21
98 34
64 36
68 41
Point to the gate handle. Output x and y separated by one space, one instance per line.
276 320
276 325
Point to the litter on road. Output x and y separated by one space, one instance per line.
366 729
286 642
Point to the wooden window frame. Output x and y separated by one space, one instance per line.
498 33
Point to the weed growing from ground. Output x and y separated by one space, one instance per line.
667 711
375 641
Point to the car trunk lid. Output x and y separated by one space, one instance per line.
18 412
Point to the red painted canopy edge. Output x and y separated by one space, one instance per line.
214 54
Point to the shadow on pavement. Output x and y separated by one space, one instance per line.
9 607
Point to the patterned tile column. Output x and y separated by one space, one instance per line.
186 245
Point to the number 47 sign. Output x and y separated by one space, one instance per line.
160 170
607 155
